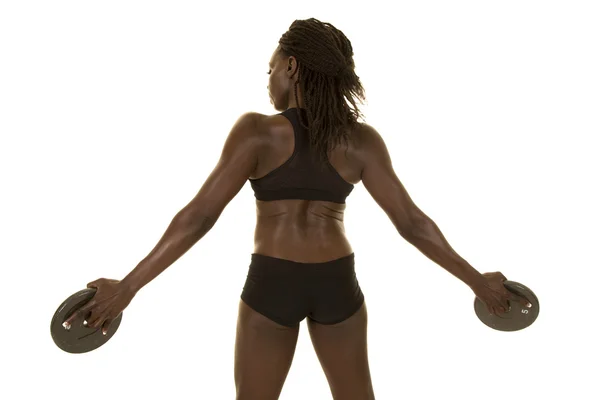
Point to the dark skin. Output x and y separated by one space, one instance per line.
297 230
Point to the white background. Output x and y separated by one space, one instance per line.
113 114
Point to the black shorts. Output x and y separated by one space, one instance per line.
287 291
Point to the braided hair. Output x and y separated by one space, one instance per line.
327 79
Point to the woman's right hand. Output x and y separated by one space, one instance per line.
494 294
110 299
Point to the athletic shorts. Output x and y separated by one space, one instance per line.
287 292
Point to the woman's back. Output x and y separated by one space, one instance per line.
295 229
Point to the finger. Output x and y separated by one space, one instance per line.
96 324
500 306
80 312
506 299
504 306
106 326
92 320
86 318
522 301
96 319
69 321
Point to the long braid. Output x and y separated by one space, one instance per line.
327 81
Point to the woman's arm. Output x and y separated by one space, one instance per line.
412 224
237 162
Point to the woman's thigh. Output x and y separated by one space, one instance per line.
342 351
264 351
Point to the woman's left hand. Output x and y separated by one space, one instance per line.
110 300
494 294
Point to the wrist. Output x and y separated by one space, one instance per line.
129 286
476 281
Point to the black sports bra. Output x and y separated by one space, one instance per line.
299 177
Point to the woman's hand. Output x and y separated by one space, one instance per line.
110 299
494 294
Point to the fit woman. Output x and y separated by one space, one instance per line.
302 164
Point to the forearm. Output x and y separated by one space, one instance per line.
181 235
429 240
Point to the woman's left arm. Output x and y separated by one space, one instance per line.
237 162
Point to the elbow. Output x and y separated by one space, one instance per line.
196 222
409 223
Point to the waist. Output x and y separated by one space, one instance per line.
301 239
263 265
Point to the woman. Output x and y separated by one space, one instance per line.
303 266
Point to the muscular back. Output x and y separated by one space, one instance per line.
300 230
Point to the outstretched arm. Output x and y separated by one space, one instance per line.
380 180
237 162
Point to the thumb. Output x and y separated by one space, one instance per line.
94 284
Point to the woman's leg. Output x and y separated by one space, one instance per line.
342 352
264 351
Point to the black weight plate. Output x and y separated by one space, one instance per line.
518 317
79 338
